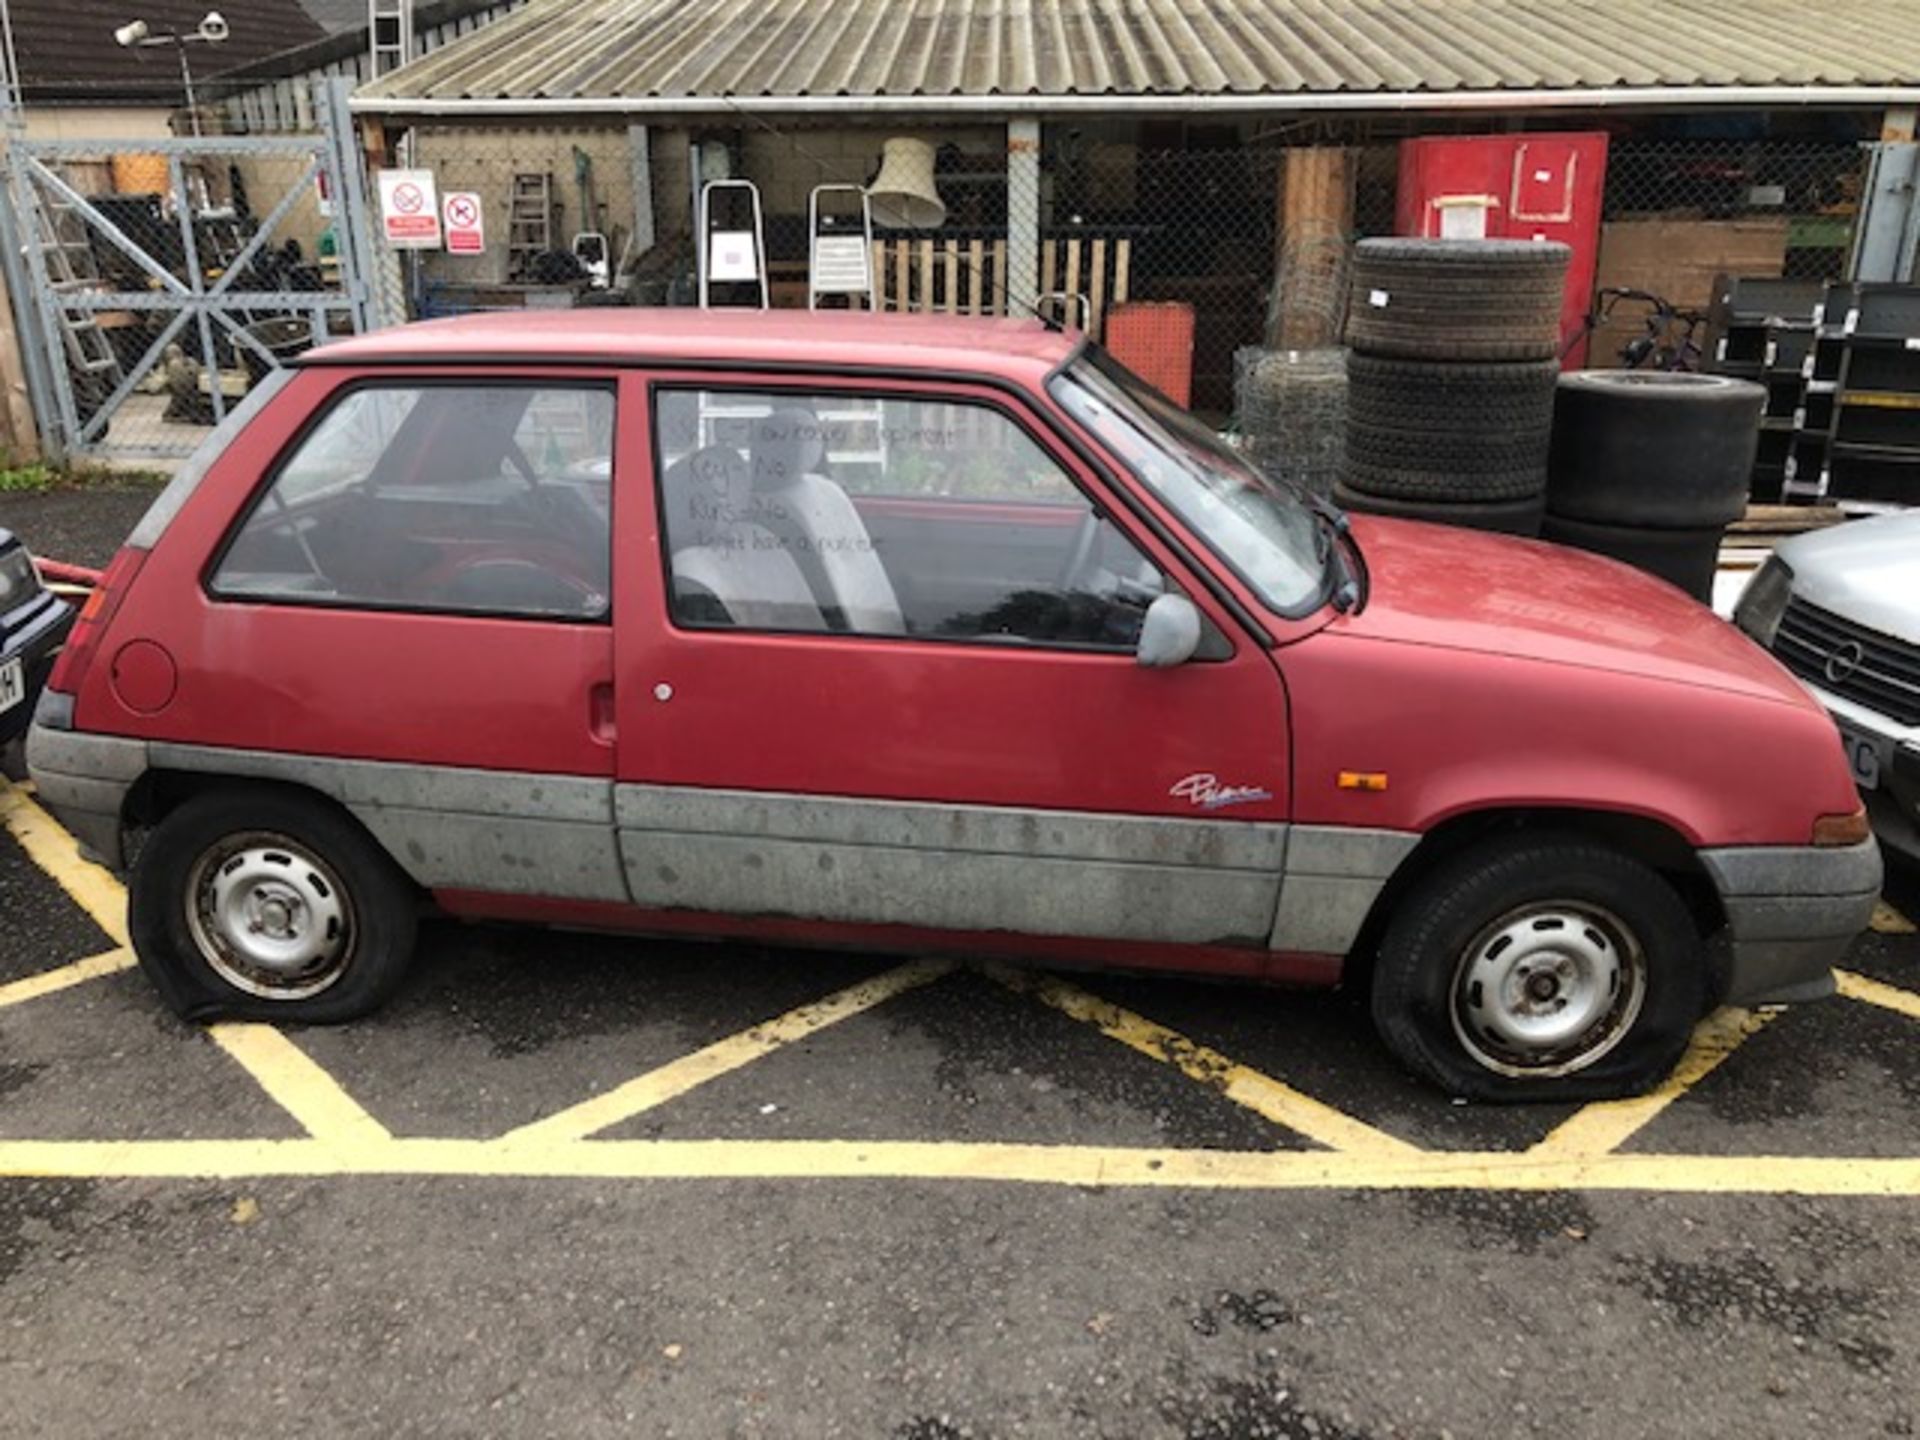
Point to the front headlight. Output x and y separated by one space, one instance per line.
1765 601
18 579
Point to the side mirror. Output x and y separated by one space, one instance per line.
1169 634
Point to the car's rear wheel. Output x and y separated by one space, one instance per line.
1540 968
264 904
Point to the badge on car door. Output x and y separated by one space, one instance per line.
1204 791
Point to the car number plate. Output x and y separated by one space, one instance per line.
1863 757
13 685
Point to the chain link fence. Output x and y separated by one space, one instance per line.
158 278
1202 218
1192 248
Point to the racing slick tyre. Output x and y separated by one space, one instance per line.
1670 451
1686 558
1457 299
268 904
1540 966
1506 517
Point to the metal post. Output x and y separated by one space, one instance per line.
1886 239
351 232
1023 216
60 424
28 333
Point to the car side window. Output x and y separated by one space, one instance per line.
491 499
885 515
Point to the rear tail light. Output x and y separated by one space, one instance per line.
83 641
1842 829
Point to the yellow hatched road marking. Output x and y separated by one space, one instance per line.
90 886
1608 1124
299 1086
1261 1094
917 1160
1889 921
48 982
1875 992
677 1077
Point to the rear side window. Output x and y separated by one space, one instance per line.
490 499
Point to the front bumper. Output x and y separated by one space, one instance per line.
1792 911
33 634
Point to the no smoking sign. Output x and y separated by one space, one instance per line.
409 209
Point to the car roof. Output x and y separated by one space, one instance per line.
777 338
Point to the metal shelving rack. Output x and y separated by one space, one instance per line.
1765 332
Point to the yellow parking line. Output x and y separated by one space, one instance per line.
299 1086
1260 1093
1608 1124
1889 921
677 1077
1007 1163
1874 992
18 992
90 886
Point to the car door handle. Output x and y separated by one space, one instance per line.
600 713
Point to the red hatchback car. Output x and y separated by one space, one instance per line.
920 635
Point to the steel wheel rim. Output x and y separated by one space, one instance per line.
269 916
1547 989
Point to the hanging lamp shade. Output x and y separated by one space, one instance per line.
902 195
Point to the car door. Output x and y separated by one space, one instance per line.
402 600
875 655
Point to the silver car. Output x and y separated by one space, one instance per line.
1841 609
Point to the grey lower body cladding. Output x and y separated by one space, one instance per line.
1254 885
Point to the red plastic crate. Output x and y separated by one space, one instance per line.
1154 339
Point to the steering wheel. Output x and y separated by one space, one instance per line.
1080 553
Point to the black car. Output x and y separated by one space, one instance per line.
33 626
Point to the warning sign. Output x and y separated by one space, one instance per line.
466 230
409 209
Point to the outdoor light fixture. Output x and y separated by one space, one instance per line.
211 30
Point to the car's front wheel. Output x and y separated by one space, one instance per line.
268 905
1538 967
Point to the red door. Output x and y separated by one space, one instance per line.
874 669
1513 187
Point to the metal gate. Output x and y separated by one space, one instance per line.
155 282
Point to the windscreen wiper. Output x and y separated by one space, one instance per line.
1351 581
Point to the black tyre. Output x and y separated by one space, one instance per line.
267 904
1647 448
1457 398
1457 299
1540 967
1440 466
1505 517
1686 558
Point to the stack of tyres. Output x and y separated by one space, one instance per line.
1451 381
1650 467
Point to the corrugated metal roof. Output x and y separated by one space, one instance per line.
907 54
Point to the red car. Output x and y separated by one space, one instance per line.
921 635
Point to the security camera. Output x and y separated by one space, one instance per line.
132 33
213 27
